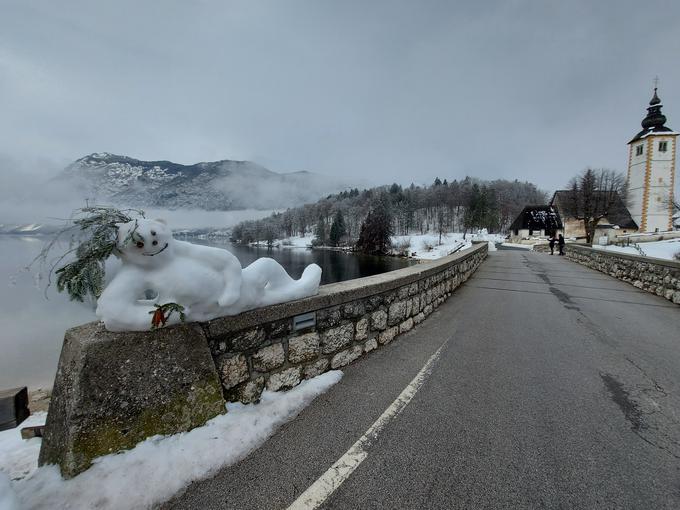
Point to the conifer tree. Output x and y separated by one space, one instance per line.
320 237
376 230
338 229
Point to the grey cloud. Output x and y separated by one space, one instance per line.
390 90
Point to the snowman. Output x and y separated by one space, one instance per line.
201 281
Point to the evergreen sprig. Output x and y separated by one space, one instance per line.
96 229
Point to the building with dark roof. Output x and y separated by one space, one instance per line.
536 221
617 216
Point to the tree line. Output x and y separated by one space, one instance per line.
456 206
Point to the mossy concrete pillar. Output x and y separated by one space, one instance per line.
113 390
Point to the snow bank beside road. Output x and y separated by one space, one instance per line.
657 249
159 467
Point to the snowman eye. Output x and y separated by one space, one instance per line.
140 244
153 233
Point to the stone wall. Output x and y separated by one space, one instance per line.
113 390
260 349
658 276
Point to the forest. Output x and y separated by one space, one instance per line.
457 206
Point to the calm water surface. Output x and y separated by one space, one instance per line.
32 325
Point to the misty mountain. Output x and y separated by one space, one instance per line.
219 185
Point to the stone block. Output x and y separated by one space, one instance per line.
232 370
407 325
379 320
388 335
303 347
362 329
370 345
113 390
354 309
284 380
347 356
329 317
268 358
248 392
13 407
248 339
397 313
419 318
335 339
316 368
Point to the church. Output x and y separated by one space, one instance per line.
651 171
650 182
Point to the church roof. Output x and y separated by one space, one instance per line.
654 122
618 212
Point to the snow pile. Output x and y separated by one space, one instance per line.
657 249
157 468
8 499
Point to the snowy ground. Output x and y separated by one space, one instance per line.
155 469
425 246
289 242
657 249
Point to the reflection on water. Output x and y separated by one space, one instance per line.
337 266
32 327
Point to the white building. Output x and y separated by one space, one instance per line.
651 171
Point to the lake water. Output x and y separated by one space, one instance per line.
32 321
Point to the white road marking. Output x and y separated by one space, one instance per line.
341 470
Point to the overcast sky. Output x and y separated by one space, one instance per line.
386 90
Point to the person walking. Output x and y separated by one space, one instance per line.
551 242
561 243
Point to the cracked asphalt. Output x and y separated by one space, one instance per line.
557 387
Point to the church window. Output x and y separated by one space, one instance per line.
663 146
638 150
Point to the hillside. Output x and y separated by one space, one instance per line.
218 185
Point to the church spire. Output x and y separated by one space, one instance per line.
654 118
654 122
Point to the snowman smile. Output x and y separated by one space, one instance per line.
156 252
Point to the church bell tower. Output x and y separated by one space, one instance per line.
651 171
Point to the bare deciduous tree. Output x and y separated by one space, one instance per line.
593 194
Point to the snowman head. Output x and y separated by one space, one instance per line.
145 242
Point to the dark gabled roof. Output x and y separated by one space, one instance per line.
654 122
618 212
537 217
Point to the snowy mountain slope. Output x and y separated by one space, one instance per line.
218 185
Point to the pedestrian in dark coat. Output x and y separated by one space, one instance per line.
552 244
560 242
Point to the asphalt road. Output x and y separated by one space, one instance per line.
557 387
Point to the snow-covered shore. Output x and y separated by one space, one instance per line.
416 246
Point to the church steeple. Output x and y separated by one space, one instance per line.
655 121
654 118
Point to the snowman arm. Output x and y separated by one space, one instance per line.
118 305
